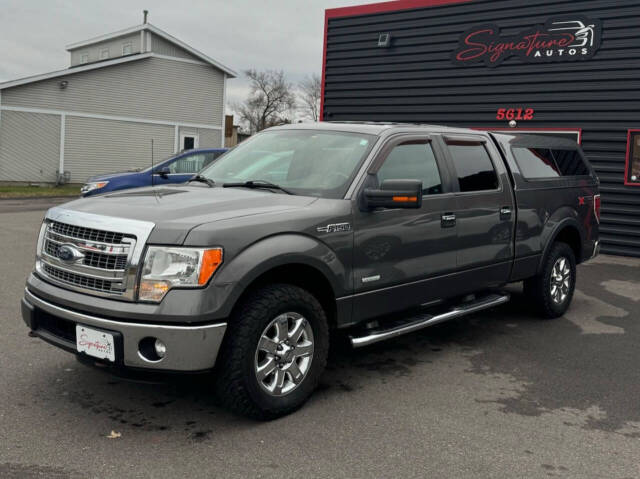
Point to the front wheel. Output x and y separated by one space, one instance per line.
552 290
274 352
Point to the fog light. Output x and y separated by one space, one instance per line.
151 349
160 348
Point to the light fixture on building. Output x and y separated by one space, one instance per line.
63 84
384 40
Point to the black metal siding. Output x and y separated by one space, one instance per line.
416 81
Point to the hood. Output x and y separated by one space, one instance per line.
110 176
175 210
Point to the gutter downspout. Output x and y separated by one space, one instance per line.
63 121
224 102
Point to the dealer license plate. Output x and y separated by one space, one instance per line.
95 343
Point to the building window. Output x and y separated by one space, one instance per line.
127 49
188 141
632 173
104 54
84 58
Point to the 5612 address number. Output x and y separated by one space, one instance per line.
517 114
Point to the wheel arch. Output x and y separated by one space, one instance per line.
292 259
302 275
568 231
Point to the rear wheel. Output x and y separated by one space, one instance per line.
274 352
552 290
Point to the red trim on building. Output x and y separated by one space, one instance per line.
368 9
386 7
324 62
524 128
627 162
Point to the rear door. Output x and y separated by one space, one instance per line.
484 211
397 252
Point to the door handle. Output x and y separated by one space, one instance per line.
448 220
505 213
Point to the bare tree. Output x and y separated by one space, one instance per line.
310 90
270 101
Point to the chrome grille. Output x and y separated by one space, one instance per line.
89 234
95 260
102 262
82 281
105 261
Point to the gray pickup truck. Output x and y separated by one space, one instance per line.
374 229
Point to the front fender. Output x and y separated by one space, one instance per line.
280 250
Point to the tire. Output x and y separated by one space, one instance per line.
554 302
255 332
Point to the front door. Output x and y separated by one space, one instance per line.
398 251
183 168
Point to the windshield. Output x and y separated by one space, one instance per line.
305 162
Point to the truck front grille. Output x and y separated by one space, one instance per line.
90 234
102 262
85 282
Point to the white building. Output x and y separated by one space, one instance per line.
121 91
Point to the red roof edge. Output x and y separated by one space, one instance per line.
386 7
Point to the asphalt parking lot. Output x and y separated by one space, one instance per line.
497 394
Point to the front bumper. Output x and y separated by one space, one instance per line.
189 348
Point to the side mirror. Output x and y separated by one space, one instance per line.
394 194
163 172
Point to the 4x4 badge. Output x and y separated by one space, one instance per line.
334 228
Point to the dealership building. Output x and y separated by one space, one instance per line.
555 67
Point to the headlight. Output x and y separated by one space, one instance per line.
165 268
96 185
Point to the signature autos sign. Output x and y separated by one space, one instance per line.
559 39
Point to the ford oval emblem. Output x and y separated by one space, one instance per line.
69 253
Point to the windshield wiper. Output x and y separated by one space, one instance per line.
257 184
202 179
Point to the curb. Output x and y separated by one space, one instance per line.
14 198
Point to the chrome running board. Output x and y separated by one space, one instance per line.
425 320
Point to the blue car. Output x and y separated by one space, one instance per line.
177 169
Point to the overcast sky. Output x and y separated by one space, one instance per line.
278 34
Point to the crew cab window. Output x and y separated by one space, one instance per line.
188 164
536 163
413 160
542 163
474 167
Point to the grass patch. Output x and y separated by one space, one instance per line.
38 191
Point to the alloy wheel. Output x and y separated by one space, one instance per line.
284 354
560 280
